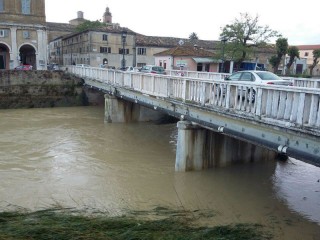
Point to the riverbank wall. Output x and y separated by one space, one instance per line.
36 89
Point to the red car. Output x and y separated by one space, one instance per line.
25 67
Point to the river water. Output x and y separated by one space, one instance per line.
69 157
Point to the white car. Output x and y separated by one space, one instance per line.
257 78
83 65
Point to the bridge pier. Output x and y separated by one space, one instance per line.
199 148
121 111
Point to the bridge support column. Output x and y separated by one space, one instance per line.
190 147
199 148
120 111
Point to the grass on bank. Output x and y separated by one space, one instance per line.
65 224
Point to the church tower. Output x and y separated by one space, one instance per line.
107 16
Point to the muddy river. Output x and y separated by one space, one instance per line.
68 157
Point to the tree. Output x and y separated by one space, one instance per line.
316 56
89 25
244 35
193 36
293 53
282 49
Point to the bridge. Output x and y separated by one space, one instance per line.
219 119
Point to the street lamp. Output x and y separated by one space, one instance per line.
223 40
123 38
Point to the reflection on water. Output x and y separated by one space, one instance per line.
69 157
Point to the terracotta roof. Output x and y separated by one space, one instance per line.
52 26
185 51
169 42
308 47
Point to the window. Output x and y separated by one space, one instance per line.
26 34
105 49
104 37
142 51
306 54
1 6
4 33
126 51
25 6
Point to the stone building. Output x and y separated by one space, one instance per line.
102 46
23 34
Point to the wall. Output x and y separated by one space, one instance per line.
28 89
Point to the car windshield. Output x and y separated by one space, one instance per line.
268 76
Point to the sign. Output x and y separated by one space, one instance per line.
181 63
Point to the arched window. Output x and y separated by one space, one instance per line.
26 6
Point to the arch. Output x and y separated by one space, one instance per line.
27 54
4 56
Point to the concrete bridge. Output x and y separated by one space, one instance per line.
220 123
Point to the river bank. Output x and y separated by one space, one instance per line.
165 224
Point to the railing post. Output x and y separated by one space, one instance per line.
184 90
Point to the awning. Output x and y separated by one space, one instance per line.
206 60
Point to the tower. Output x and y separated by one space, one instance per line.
107 16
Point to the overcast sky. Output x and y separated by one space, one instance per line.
296 21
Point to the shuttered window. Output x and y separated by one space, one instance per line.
26 6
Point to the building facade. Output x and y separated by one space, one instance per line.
23 34
306 52
107 46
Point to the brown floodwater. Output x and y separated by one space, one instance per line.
68 157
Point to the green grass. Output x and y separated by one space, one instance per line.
66 224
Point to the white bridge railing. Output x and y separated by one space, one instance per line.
288 106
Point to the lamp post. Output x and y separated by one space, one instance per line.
123 38
223 40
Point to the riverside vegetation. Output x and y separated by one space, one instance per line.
159 223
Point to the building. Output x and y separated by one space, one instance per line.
188 58
149 46
306 51
23 34
107 46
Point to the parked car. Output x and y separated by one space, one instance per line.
258 78
152 69
24 67
53 67
82 65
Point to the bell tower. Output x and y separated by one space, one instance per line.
107 16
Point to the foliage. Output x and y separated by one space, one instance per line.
90 25
282 49
316 56
293 53
193 36
245 35
65 224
